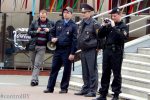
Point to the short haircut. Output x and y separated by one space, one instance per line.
43 11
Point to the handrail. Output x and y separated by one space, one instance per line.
131 3
138 20
118 7
138 28
110 11
129 32
136 12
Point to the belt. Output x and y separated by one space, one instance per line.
113 47
63 47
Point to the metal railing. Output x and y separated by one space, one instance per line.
138 28
136 12
137 1
138 20
107 12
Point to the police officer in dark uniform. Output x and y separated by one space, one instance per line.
64 36
116 32
87 42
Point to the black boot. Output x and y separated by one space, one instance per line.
34 83
48 91
101 97
80 93
63 91
115 97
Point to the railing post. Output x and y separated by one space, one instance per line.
148 28
30 17
148 96
2 37
128 7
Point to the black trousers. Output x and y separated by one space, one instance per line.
60 58
112 62
89 70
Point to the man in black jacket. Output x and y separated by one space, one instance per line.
116 32
64 36
88 43
39 31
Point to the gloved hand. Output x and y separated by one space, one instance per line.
105 22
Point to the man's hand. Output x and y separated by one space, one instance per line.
38 30
46 29
112 23
54 40
71 57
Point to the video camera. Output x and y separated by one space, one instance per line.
107 21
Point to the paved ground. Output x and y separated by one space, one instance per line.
17 87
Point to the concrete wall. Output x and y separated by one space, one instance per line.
8 6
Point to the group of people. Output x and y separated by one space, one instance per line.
89 36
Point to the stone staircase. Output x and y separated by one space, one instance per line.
135 76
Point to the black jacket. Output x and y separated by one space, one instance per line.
114 35
66 34
35 25
87 36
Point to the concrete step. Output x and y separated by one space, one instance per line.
132 89
137 57
136 64
139 82
132 72
136 91
136 72
77 86
145 51
135 81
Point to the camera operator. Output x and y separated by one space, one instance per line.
116 32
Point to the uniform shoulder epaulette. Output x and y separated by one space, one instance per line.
95 21
59 21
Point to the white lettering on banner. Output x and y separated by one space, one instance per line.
20 34
22 29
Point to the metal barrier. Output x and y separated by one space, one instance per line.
136 12
138 28
138 20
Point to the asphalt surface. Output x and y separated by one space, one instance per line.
17 87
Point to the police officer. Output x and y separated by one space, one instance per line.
116 32
87 42
39 29
64 36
